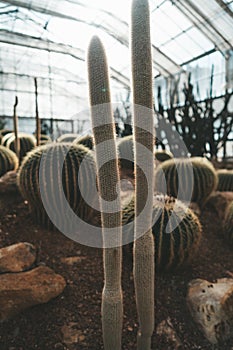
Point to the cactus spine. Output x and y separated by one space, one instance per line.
8 160
86 140
202 171
176 248
108 182
67 138
143 265
225 180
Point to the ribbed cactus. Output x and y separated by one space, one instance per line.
27 143
67 137
143 262
126 152
109 188
228 225
6 137
195 176
3 132
44 139
86 140
162 155
8 160
28 180
175 248
225 180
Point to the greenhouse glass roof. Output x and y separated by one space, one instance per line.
49 40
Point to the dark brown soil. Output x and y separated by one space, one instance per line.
42 327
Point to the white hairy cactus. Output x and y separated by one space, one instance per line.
109 189
144 142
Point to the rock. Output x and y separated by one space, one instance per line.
17 257
71 260
211 306
166 330
71 334
19 291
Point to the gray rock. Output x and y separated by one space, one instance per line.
19 291
17 257
211 306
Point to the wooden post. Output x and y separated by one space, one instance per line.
37 115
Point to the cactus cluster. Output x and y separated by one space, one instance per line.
176 229
162 155
225 180
184 177
126 152
68 183
45 139
86 140
228 224
8 160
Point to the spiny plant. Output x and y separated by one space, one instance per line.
143 126
5 137
3 132
225 180
8 160
126 152
192 177
162 155
44 139
176 229
61 161
228 224
86 140
67 137
27 143
109 188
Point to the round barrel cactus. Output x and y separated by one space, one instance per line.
162 155
176 229
8 160
27 143
126 152
228 225
6 137
191 179
55 168
67 138
225 180
4 132
45 139
86 140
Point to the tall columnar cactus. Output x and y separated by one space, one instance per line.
67 137
143 265
225 180
27 143
69 181
109 188
8 160
176 247
126 152
195 176
86 140
228 225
